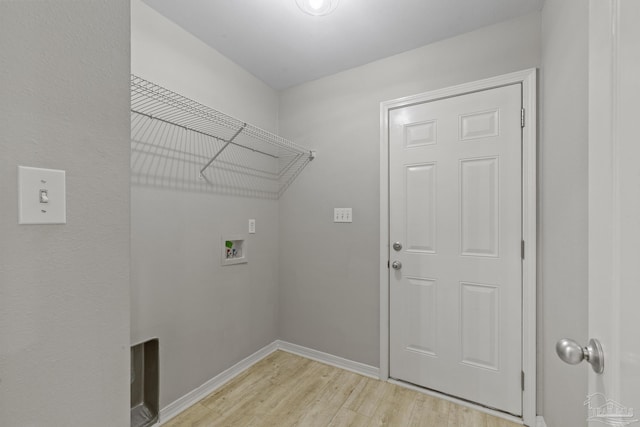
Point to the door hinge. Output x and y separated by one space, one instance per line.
522 117
387 263
522 379
522 249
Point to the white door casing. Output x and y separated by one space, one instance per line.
451 264
614 205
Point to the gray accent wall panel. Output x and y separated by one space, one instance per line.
64 289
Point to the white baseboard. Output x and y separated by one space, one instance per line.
330 359
540 421
194 396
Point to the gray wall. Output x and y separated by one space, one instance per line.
329 280
207 317
64 289
563 205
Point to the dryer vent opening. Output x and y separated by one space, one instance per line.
144 384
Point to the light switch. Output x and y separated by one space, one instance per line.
41 196
342 215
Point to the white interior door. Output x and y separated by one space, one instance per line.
455 210
614 210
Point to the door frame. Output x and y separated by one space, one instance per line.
528 79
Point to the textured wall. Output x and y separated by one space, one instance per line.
64 289
329 291
563 163
207 317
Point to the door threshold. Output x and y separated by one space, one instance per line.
468 404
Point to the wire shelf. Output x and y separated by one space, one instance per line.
180 143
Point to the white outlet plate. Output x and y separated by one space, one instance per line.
252 226
342 215
32 182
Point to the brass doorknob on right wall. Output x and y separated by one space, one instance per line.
573 353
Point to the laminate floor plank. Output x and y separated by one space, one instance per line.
264 384
367 401
395 408
321 411
461 416
191 416
429 411
348 418
286 390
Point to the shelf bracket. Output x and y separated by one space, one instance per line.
230 141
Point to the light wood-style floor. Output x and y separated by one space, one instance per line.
287 390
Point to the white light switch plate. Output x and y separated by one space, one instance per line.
342 215
32 182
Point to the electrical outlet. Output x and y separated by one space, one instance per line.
342 215
252 226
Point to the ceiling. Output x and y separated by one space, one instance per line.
282 46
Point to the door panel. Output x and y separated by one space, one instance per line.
479 190
479 316
614 209
420 225
456 207
421 306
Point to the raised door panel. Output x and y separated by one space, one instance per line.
422 314
421 207
420 134
480 325
477 125
479 207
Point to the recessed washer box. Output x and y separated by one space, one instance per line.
234 250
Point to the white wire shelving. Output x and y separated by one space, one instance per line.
181 143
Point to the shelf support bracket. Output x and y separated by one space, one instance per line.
230 141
